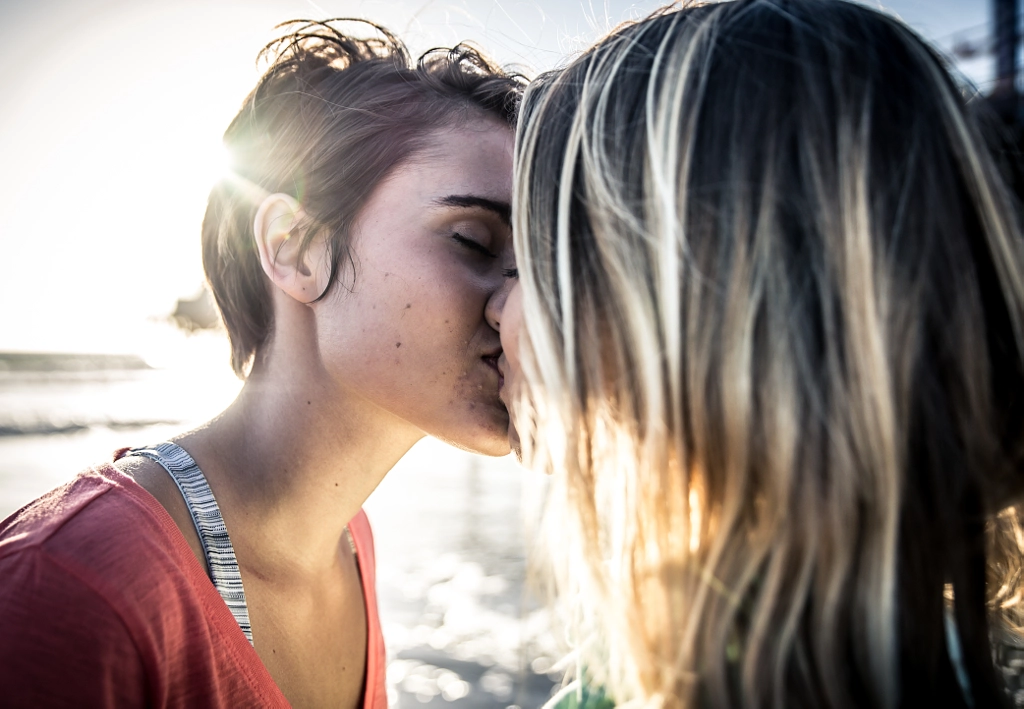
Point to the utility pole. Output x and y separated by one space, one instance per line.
1008 103
1006 35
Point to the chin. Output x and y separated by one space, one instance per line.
496 443
491 438
493 447
497 450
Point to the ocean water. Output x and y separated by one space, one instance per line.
460 622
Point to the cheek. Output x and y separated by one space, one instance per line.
511 326
368 328
428 331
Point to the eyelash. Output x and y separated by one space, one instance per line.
473 245
510 273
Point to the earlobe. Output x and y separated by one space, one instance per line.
276 233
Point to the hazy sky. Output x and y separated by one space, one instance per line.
111 119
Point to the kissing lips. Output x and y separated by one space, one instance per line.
492 361
502 364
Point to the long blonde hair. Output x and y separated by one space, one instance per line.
773 295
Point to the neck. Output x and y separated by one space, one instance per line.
291 461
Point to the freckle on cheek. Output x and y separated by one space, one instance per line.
398 344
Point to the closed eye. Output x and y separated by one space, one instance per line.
473 245
510 273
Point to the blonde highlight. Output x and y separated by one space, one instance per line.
765 359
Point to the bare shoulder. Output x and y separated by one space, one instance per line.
155 480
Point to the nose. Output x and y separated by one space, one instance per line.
496 303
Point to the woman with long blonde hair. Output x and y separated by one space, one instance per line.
767 336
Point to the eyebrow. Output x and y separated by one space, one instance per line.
502 209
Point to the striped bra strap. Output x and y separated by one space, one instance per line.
220 555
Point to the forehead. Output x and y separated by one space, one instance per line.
474 157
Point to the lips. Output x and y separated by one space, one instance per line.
492 361
501 364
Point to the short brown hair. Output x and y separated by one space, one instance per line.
330 117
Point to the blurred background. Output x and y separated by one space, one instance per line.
110 128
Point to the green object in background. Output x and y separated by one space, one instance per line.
587 699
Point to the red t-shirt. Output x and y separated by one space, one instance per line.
103 604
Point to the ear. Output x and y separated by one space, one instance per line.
276 232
